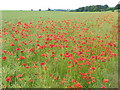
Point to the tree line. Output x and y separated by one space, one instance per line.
92 8
96 8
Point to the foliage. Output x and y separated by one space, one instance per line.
59 49
97 8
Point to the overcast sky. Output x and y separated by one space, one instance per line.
52 4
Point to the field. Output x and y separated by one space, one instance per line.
59 49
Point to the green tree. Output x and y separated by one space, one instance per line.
82 9
93 8
117 6
106 7
49 9
77 10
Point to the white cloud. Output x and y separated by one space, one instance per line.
53 4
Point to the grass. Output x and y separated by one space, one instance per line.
59 49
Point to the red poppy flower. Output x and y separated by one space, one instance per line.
74 80
20 75
23 64
12 45
21 57
44 54
8 79
34 66
105 80
4 58
16 39
19 23
27 67
103 87
92 56
42 63
17 49
93 68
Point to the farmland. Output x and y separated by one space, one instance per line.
59 49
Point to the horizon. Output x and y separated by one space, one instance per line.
53 8
52 4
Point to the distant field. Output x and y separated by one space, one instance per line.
59 49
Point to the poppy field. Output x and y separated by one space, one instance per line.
59 49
